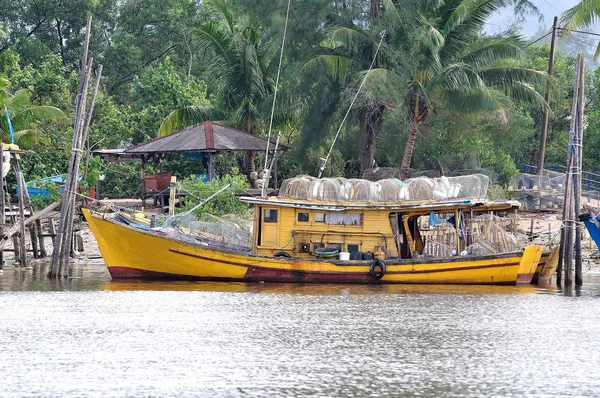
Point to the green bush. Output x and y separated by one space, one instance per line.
224 203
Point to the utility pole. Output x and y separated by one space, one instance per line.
544 134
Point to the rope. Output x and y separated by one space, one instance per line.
275 93
322 168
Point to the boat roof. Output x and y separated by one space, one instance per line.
472 204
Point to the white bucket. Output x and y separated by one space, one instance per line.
344 256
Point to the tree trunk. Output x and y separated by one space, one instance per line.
410 146
417 112
375 8
371 121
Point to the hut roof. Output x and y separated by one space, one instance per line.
204 137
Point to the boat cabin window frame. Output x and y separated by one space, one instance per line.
320 217
303 217
270 215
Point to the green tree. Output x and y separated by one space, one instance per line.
24 116
451 66
241 67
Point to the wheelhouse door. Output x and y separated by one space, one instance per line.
269 228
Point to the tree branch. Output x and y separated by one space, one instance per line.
32 31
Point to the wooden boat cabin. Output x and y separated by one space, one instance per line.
286 227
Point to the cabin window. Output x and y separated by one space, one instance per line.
270 215
352 248
319 217
317 245
337 246
343 219
302 217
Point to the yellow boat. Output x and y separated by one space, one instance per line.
376 243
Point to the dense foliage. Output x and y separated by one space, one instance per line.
468 101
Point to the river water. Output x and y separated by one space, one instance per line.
88 336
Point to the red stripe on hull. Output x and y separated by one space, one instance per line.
525 278
260 274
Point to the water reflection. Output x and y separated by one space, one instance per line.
98 337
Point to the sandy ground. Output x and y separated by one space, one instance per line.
546 232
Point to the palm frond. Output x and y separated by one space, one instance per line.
213 39
489 53
20 99
524 92
223 10
584 14
23 119
337 67
186 116
478 99
507 76
353 40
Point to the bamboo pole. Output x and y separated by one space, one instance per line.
61 241
21 204
68 238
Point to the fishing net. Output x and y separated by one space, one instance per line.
484 234
535 192
226 232
296 188
386 190
363 190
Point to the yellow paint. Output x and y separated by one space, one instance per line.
550 262
124 246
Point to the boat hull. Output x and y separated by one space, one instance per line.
133 253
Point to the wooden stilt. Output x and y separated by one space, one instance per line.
40 236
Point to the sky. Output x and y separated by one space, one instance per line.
531 25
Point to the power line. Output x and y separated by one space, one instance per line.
552 5
579 31
532 43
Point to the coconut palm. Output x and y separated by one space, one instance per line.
580 16
433 56
24 117
452 67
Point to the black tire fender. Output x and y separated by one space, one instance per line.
377 263
282 254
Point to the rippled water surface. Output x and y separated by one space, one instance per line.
89 336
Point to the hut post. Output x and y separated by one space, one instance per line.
143 175
172 186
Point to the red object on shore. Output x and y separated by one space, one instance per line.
157 182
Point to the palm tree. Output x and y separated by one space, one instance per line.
451 66
24 117
240 67
580 16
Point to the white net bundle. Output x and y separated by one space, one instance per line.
363 190
445 188
324 189
296 187
226 232
387 190
392 190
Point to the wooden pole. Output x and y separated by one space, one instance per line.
68 239
21 198
544 134
15 227
578 170
172 187
2 202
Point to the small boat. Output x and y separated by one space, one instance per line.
297 240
